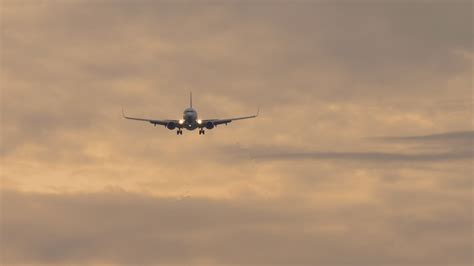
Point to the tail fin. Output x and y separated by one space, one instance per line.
191 99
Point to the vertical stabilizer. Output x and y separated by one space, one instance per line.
191 99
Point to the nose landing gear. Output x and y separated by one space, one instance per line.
202 132
179 132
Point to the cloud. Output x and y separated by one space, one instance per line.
118 227
327 76
465 136
370 156
450 146
453 143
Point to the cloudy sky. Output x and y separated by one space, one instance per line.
362 154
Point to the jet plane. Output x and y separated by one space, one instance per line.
190 120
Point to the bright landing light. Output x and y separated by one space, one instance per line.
181 122
199 121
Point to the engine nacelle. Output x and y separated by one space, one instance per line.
209 125
171 125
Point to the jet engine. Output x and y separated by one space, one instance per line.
209 125
171 125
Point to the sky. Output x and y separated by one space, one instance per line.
362 153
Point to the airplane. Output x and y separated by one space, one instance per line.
190 120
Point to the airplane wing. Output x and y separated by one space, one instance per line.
152 121
228 120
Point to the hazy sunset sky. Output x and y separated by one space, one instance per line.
362 153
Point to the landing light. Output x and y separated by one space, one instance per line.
199 121
181 122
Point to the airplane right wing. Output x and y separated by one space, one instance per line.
154 121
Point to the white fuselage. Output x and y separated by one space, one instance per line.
190 119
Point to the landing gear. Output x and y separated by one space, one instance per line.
202 132
179 132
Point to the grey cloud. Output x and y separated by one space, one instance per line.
453 143
123 228
68 67
464 136
450 146
238 51
369 156
460 105
251 44
411 150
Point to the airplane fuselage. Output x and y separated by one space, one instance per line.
190 119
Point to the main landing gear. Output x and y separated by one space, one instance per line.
202 132
179 132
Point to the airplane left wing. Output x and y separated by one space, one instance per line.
228 120
152 121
